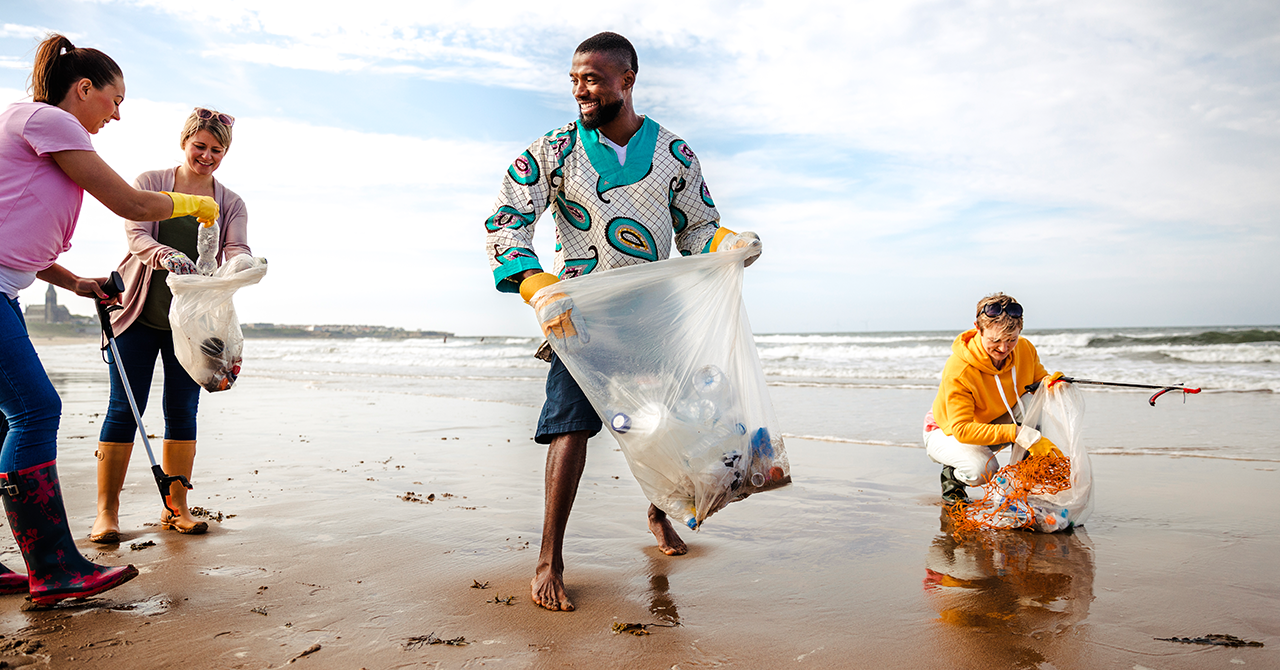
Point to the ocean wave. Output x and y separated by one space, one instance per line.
1167 453
845 353
850 385
846 440
1210 337
1234 359
820 372
826 339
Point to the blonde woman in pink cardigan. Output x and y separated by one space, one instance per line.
157 248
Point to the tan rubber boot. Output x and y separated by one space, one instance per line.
113 464
178 459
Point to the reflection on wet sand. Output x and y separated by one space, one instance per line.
1007 595
661 606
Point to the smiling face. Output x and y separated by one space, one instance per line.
202 153
94 107
999 343
601 85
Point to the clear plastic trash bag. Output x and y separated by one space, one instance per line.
665 354
1058 413
206 333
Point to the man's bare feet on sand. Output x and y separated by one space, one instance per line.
548 590
669 542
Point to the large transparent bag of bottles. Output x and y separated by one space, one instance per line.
665 354
207 339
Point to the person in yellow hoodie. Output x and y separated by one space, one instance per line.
979 399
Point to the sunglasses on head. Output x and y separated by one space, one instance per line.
994 310
209 115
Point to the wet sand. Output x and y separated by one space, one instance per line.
330 538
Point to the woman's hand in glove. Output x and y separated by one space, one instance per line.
177 263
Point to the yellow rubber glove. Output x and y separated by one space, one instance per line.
554 310
1043 446
200 206
1055 378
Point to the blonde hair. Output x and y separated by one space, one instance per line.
195 124
1005 323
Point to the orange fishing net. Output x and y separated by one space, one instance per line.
1005 503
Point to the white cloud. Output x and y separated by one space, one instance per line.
30 32
352 223
895 143
1159 111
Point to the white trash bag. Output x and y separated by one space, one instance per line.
1062 422
206 333
1058 413
665 354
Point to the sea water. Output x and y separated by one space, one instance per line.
862 387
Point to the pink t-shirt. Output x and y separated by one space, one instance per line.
39 203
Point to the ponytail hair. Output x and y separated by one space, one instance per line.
59 65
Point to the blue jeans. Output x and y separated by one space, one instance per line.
31 408
139 346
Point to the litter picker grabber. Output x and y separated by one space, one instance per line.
111 355
1161 389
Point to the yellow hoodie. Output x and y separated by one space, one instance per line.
967 402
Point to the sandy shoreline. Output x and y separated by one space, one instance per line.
846 568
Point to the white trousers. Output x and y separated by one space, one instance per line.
975 464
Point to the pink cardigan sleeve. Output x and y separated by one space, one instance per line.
145 251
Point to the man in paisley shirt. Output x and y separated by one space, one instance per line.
621 189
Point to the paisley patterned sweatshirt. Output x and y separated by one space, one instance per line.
607 215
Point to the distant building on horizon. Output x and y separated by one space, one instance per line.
49 312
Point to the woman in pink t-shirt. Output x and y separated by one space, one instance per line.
46 163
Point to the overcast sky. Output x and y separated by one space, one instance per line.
1109 164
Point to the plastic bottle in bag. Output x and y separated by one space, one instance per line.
207 248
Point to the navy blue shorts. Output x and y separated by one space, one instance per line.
567 409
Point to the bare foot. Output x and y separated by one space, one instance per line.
548 590
106 528
669 542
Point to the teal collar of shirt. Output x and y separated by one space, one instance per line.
639 154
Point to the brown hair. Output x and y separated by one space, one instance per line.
1001 324
59 65
195 124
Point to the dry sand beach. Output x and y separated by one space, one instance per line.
355 525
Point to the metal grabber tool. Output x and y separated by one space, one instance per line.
111 355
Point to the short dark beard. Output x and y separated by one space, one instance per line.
603 115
